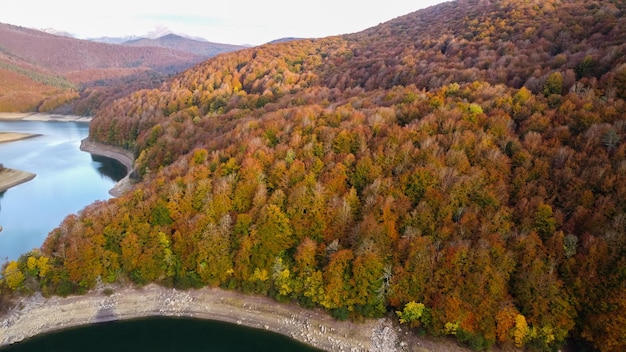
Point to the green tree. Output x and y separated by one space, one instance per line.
544 223
611 139
414 314
214 263
338 280
273 237
554 84
369 291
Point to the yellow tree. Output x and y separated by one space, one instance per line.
272 238
13 277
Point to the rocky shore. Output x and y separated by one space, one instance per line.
35 315
122 155
35 116
11 177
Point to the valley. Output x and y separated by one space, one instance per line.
458 172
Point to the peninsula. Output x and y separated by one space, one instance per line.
11 177
14 136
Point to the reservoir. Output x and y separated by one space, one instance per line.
67 180
160 335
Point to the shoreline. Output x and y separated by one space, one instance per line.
36 315
37 116
6 137
122 155
12 177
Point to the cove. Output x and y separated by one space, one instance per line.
160 334
67 180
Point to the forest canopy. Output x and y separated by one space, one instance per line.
466 174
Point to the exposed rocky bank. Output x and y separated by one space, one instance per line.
35 315
122 155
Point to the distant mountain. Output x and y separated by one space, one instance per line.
463 166
63 55
177 42
114 40
54 31
283 40
158 32
42 71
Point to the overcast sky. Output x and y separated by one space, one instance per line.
251 22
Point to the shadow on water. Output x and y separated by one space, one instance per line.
110 168
161 334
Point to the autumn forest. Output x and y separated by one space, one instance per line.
462 168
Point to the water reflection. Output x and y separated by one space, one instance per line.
110 168
68 180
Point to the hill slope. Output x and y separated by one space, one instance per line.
42 71
463 165
176 42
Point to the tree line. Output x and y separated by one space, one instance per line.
480 204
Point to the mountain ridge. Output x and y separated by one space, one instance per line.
82 73
461 166
178 42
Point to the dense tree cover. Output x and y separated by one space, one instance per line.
471 203
24 90
43 72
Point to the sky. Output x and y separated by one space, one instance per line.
241 22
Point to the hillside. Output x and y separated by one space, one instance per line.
462 167
42 71
176 42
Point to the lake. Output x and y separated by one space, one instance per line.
68 180
161 334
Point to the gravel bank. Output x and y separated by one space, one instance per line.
11 178
35 315
122 155
34 116
15 136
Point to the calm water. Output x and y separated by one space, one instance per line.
161 334
67 181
